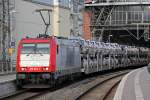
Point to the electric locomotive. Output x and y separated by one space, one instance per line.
45 60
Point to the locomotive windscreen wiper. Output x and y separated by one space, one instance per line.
35 52
39 53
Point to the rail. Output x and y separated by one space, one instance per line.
25 94
103 88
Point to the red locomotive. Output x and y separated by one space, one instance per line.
36 55
44 60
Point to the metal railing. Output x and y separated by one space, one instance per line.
104 1
7 67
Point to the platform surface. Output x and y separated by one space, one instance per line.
7 78
135 85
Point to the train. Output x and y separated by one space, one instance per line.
45 61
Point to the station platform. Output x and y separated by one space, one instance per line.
7 78
135 85
7 84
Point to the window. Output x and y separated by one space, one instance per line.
50 2
28 48
64 3
42 48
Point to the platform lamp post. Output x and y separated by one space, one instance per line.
11 45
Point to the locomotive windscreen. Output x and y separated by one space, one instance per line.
35 54
35 49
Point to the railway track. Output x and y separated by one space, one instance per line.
104 90
107 84
104 85
111 92
26 94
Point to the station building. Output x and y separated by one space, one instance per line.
65 18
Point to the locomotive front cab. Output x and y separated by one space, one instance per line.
35 61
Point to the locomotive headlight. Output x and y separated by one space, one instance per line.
46 68
22 69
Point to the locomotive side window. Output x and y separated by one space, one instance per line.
57 49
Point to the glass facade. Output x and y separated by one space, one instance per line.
123 15
122 0
129 15
63 3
